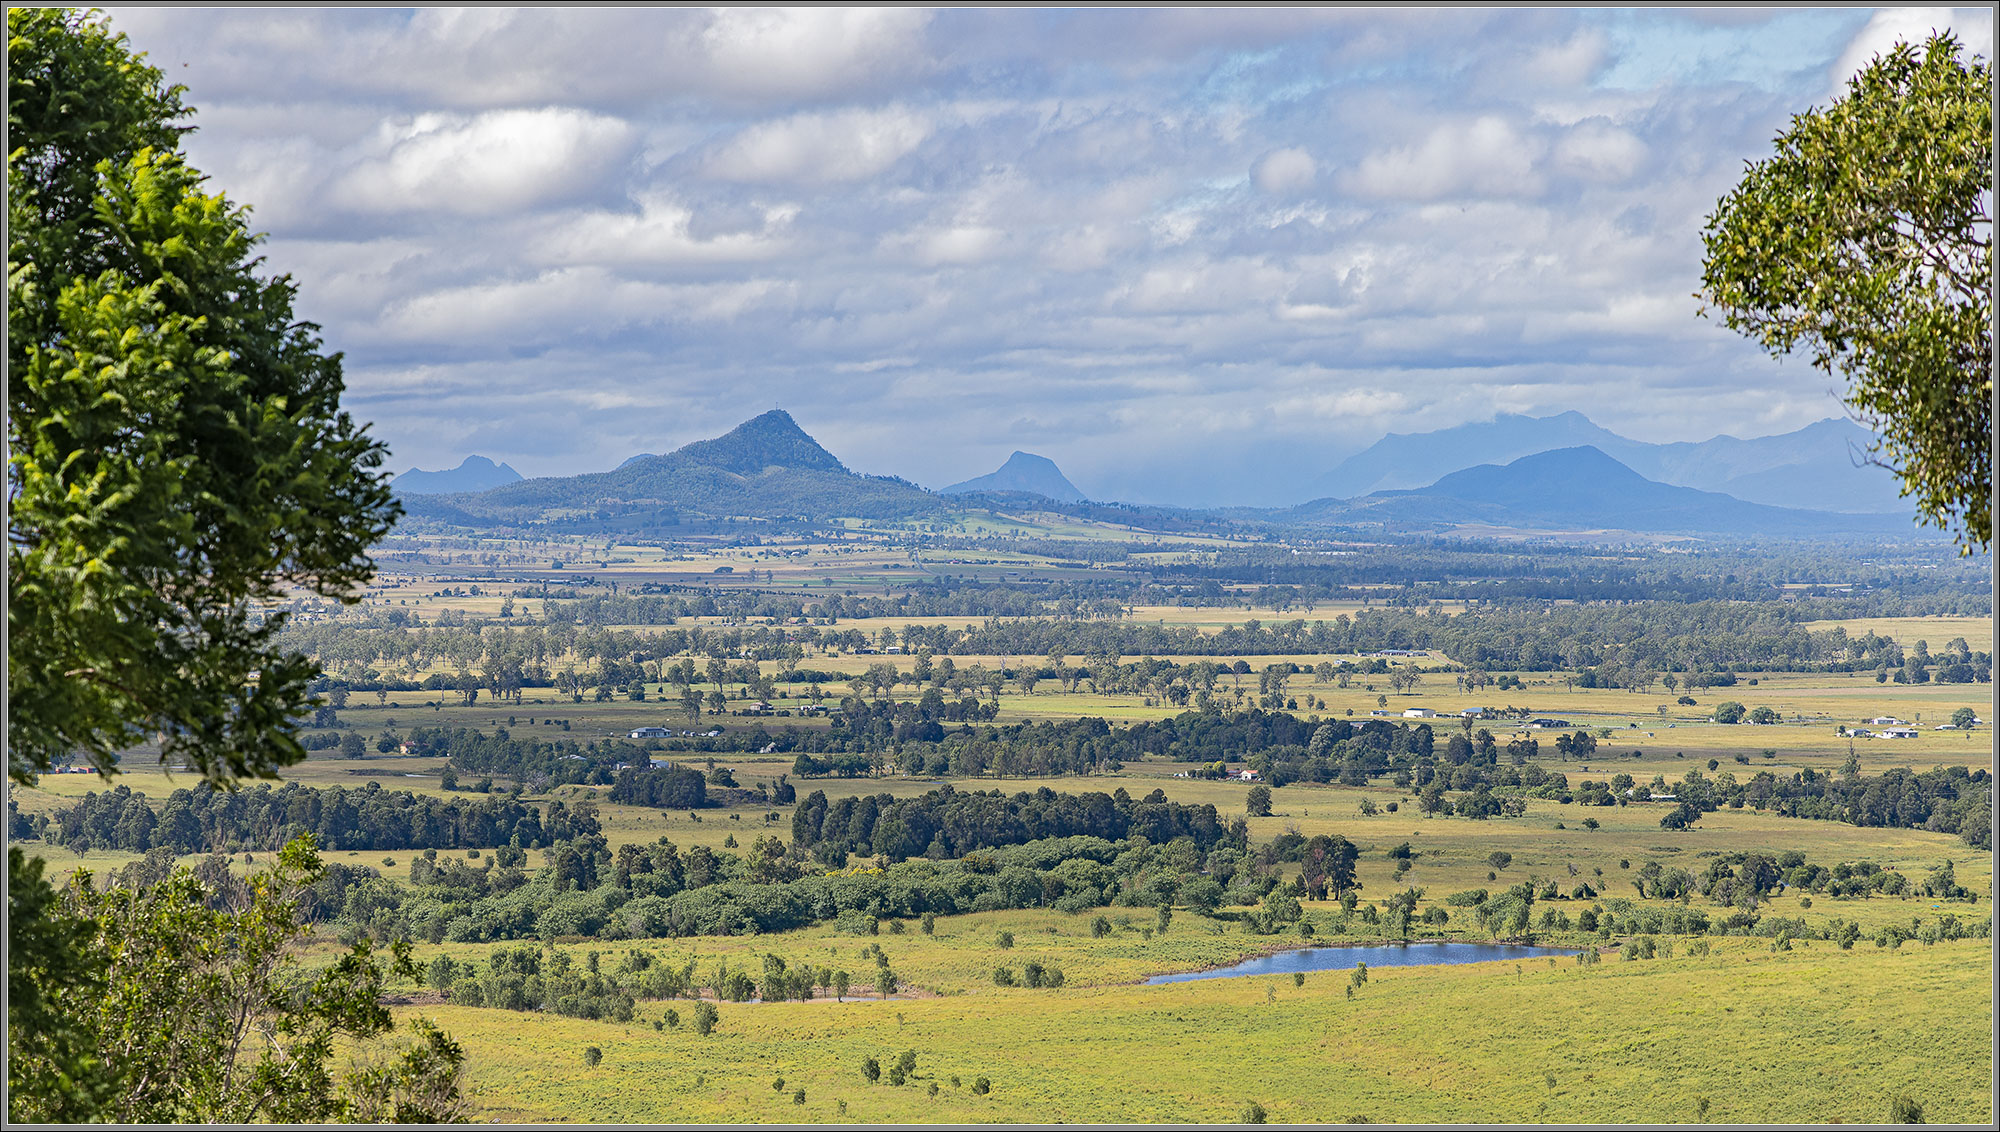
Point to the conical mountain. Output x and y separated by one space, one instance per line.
1023 472
765 468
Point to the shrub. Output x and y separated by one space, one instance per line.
705 1016
1253 1113
1004 940
981 1086
592 1055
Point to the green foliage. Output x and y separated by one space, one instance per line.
1258 802
1864 239
705 1017
1253 1113
592 1056
1729 711
177 450
1904 1109
201 1014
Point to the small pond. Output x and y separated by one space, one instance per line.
1383 955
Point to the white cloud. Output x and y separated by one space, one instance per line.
846 145
792 51
1198 250
1284 171
499 161
1596 150
1485 157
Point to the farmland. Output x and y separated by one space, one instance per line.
1833 983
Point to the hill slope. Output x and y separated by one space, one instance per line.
1023 472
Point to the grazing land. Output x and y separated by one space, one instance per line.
1550 762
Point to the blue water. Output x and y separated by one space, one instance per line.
1386 955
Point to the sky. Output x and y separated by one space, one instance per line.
1193 256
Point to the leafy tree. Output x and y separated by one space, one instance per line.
198 1014
178 454
871 1069
1729 711
1258 801
1905 1109
1963 718
1880 265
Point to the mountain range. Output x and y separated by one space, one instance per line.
1816 468
769 469
1579 489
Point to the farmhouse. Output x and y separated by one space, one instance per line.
1887 721
649 733
1898 732
1418 713
1547 724
1245 774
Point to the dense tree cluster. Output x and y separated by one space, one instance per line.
947 823
370 818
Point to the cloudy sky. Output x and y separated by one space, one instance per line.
1192 256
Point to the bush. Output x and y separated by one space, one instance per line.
1004 940
592 1055
705 1016
1253 1113
1905 1110
982 1086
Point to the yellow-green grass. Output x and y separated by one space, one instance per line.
1907 631
1809 1035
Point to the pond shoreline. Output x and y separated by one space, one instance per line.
1196 974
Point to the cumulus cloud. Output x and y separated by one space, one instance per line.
846 145
1193 255
500 161
1485 157
1285 171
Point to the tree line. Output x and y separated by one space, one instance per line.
370 818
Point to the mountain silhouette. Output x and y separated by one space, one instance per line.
1023 472
1582 488
475 473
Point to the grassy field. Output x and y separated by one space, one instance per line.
1638 1042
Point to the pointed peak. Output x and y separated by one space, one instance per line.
769 439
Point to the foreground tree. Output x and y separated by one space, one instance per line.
178 455
190 1013
1865 240
178 461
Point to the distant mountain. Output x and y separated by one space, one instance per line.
476 473
1581 488
1023 472
765 468
1815 468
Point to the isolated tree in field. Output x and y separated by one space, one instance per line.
1729 712
1258 802
1865 241
1963 718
